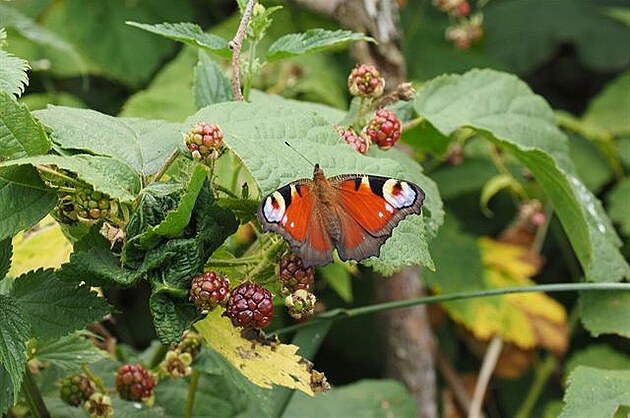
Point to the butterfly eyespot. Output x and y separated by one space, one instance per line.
398 194
274 207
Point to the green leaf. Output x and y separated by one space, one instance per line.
13 78
469 177
55 308
171 317
143 144
605 312
210 85
5 257
601 356
70 352
366 398
313 40
505 111
256 133
596 393
609 109
591 167
106 174
493 187
618 204
20 134
6 390
52 43
125 54
339 279
14 332
332 115
24 199
599 40
190 34
168 95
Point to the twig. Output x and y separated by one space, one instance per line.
235 45
489 363
165 166
453 381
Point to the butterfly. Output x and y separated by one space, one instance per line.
354 213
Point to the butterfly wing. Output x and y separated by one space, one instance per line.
291 212
369 208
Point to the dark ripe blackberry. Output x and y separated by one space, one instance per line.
250 306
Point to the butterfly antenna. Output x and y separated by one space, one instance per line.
298 153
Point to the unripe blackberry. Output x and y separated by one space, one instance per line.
99 406
190 343
383 129
209 290
365 81
358 142
292 273
205 141
134 382
250 306
467 33
76 389
301 304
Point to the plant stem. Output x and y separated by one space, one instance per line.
232 262
487 367
228 192
192 391
412 123
33 396
158 356
369 309
165 166
236 44
250 69
55 173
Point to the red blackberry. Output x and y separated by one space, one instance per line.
383 129
365 81
134 382
292 273
250 306
76 389
209 290
205 141
358 142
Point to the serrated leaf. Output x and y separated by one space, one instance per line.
70 352
14 332
105 174
210 85
601 356
143 144
609 109
261 364
171 317
44 247
6 390
13 77
605 312
619 205
339 279
6 251
257 133
97 267
313 40
596 393
24 199
190 34
55 308
366 398
20 134
504 110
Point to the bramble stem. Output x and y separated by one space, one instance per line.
165 166
487 367
33 396
192 391
235 45
379 307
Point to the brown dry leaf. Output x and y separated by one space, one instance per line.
42 246
262 364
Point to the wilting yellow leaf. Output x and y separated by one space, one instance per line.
42 246
262 364
527 320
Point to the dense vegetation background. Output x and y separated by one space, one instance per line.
514 190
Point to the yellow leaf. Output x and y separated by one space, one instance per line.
261 364
42 246
509 258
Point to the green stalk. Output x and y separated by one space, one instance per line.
158 356
250 73
380 307
192 391
33 396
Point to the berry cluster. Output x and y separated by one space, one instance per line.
468 29
365 81
76 389
250 306
293 275
205 141
383 129
134 383
209 290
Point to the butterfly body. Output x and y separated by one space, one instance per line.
354 213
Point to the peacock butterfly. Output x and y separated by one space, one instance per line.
354 213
